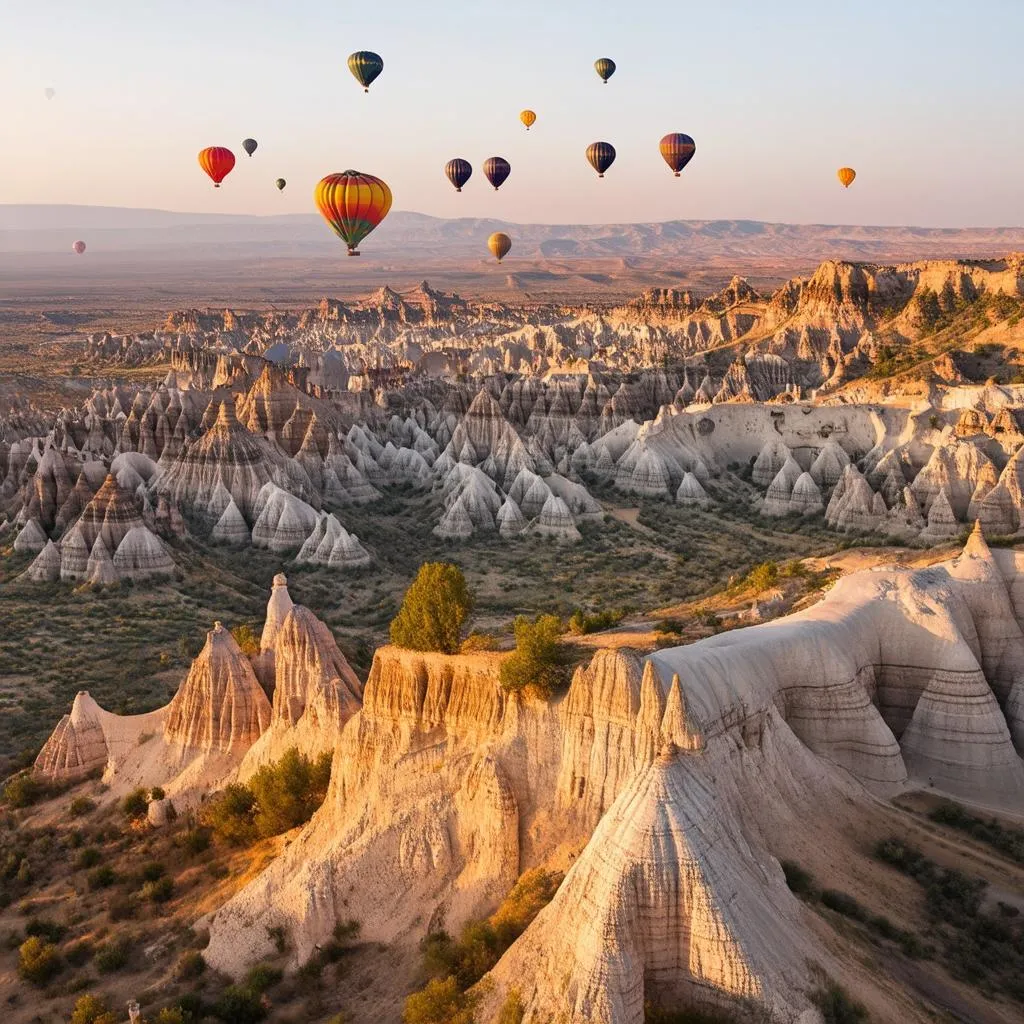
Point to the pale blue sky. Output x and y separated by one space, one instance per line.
923 98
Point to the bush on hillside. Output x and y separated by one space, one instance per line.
246 638
540 659
92 1010
278 798
434 610
441 1002
38 961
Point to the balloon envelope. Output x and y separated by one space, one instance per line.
365 67
249 145
529 118
601 156
280 183
459 171
846 176
677 150
499 243
605 67
496 170
79 247
353 204
217 162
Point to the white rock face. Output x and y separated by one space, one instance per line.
555 520
46 565
691 492
283 521
231 528
141 554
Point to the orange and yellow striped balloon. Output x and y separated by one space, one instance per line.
846 176
217 162
353 204
529 118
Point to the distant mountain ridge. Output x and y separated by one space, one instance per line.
39 228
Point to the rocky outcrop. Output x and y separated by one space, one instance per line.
220 707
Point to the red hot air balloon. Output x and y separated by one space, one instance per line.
496 170
677 151
79 247
217 162
353 204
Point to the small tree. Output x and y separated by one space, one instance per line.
440 1002
540 659
434 610
38 961
246 639
92 1010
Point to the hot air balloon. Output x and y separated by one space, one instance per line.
499 243
496 170
353 204
601 156
249 145
79 247
677 150
280 183
605 67
217 162
846 176
529 118
365 66
459 171
49 93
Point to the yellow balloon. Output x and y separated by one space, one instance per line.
528 117
499 243
846 176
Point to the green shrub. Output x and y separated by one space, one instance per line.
441 1002
434 610
174 1015
23 790
92 1010
81 805
101 877
763 576
43 929
237 1005
78 953
540 659
157 793
836 1006
1008 841
190 964
151 871
279 797
111 956
196 841
261 977
289 791
843 903
38 961
581 623
800 882
135 804
159 891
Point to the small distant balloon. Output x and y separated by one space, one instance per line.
459 171
499 243
677 151
79 247
601 156
605 67
846 176
49 93
353 204
365 67
249 145
217 162
280 183
496 170
529 118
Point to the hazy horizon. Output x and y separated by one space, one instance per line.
776 99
